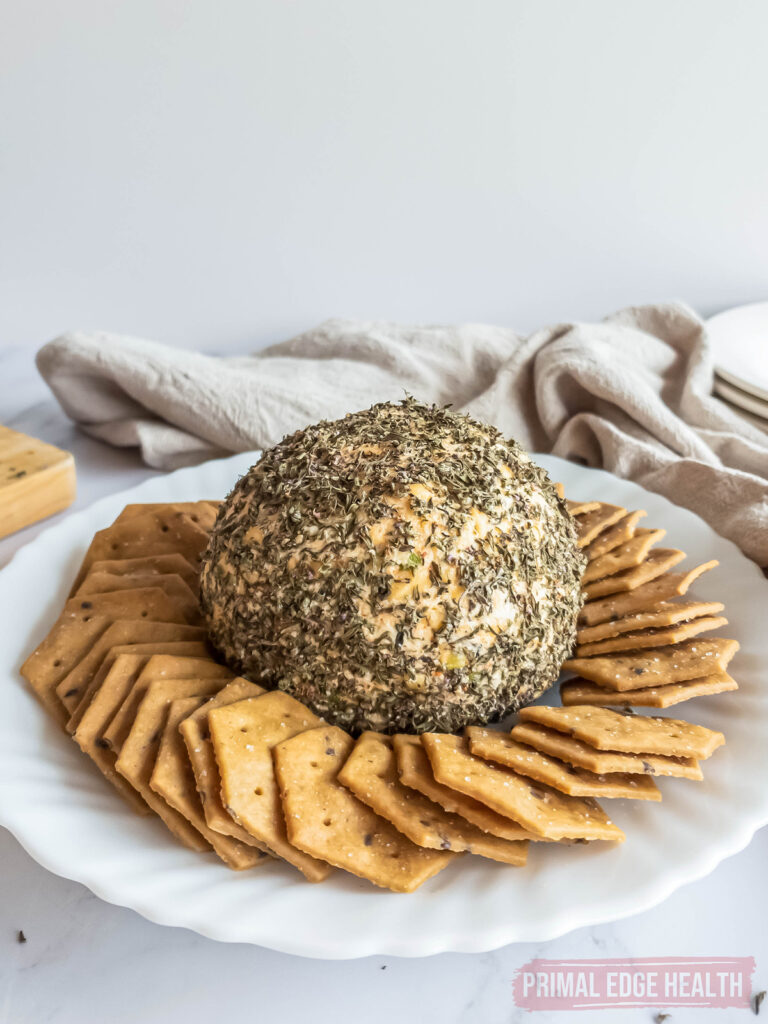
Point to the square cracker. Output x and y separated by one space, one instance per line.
658 562
243 736
370 772
615 535
415 771
656 665
146 603
643 597
579 691
73 634
325 820
139 751
624 556
666 613
536 806
674 634
150 565
202 513
591 525
122 673
173 779
603 762
579 508
197 738
631 734
183 648
122 631
500 747
158 668
171 584
149 534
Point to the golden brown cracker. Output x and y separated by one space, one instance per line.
171 584
328 822
173 779
580 508
150 565
625 556
666 613
615 535
656 665
605 729
415 771
579 691
500 747
121 631
194 731
644 597
535 806
658 562
201 513
243 737
370 772
652 637
592 524
582 755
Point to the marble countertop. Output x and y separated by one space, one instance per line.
88 962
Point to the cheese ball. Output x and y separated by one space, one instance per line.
403 569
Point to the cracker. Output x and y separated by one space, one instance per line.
150 603
652 637
72 636
591 525
186 648
579 508
582 755
579 691
370 772
124 630
647 595
657 563
150 534
173 779
656 665
139 750
630 734
158 668
415 771
625 556
150 565
615 535
171 584
500 747
124 669
243 736
201 513
328 822
194 732
535 806
666 613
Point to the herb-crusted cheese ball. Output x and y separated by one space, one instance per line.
402 569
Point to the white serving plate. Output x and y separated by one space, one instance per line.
71 822
744 401
739 339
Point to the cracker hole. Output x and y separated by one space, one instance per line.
313 764
57 663
244 728
327 822
258 791
165 528
144 615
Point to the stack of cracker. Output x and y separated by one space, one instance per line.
635 638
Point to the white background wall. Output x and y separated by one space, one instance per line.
222 174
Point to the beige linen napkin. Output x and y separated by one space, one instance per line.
631 394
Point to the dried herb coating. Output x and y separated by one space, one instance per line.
404 568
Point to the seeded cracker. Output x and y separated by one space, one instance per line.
625 556
173 779
149 565
325 820
415 771
633 734
656 666
579 508
370 772
616 535
652 637
657 563
644 597
582 755
500 747
202 513
592 524
243 736
171 584
666 613
194 731
579 691
535 806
